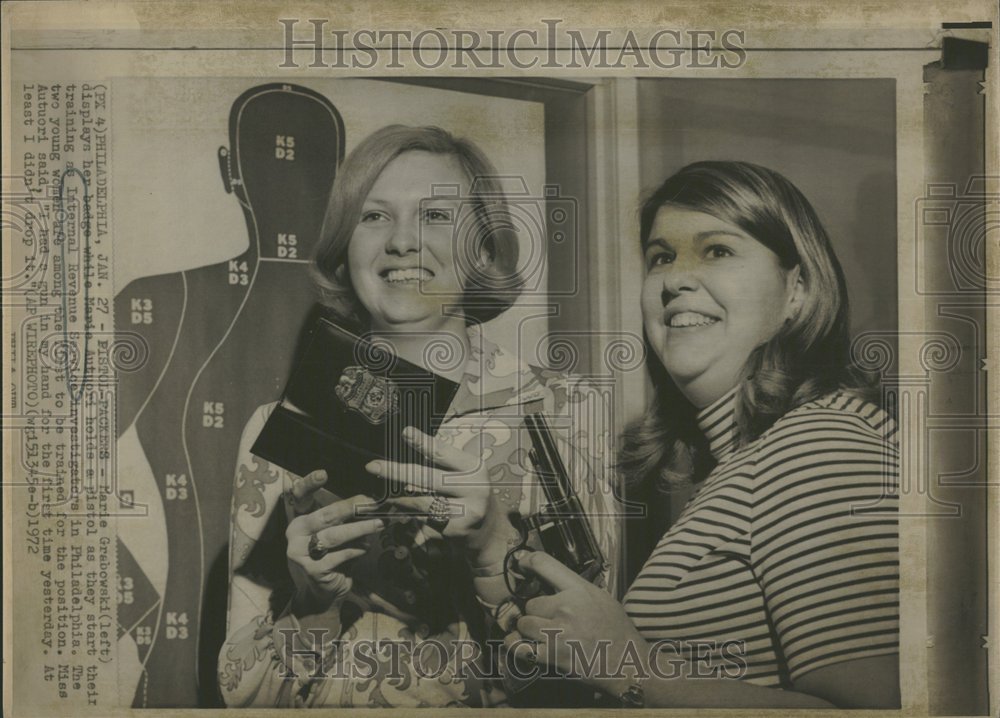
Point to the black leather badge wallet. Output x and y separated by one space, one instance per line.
346 403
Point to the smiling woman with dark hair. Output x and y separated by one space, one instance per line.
778 584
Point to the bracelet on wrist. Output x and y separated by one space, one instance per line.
633 696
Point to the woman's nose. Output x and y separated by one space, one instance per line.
405 238
679 277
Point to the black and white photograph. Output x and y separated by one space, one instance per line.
598 357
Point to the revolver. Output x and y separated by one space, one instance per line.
561 525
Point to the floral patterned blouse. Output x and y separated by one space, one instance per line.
412 631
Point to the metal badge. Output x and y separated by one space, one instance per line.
372 396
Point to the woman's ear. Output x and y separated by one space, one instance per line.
796 287
484 256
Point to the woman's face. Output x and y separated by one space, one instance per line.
711 294
401 255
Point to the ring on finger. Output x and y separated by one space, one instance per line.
439 513
317 549
532 655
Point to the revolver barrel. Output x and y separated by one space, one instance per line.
563 526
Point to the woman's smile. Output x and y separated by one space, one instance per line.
688 319
410 277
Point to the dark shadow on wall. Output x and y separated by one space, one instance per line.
869 257
212 632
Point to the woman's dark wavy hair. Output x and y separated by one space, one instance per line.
807 358
487 255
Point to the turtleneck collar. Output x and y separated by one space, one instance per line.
717 422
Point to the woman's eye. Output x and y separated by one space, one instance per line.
372 216
438 216
719 251
658 259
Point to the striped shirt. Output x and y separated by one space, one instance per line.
786 557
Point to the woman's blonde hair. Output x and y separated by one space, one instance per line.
807 358
487 251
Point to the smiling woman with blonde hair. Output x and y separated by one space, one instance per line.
329 607
487 256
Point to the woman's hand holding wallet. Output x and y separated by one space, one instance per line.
474 517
